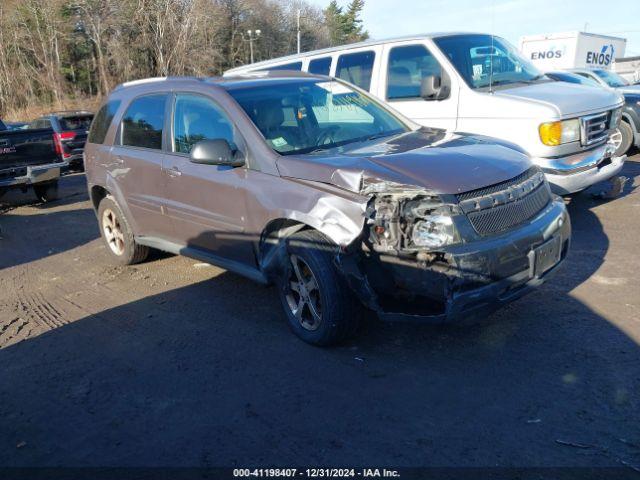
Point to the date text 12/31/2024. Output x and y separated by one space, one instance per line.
316 473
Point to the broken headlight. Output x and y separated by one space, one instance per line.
411 221
433 231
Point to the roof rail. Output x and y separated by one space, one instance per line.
141 81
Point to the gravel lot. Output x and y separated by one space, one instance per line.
176 363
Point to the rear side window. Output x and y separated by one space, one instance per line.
287 66
356 68
40 123
143 122
198 118
102 120
407 67
320 66
77 122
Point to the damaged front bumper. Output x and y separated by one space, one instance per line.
575 173
466 280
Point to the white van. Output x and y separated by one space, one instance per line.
480 84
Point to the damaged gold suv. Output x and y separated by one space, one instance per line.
309 183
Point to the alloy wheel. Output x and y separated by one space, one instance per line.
112 231
303 294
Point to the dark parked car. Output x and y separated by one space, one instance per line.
628 132
28 158
312 184
16 125
70 134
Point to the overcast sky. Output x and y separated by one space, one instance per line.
510 18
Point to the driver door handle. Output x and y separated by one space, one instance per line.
173 172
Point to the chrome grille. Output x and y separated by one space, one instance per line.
505 205
594 128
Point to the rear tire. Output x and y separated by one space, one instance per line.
623 136
118 235
46 192
319 305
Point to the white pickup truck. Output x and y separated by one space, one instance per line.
480 84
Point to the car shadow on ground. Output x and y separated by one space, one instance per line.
208 375
15 249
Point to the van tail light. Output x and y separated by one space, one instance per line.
59 140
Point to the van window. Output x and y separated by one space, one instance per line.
102 121
198 118
407 67
286 66
143 122
356 68
320 66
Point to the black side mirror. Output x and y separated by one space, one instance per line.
435 87
215 152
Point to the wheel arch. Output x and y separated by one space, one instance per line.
635 126
98 192
271 251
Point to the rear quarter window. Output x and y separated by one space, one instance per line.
77 122
102 120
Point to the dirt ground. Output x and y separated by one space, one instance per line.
176 363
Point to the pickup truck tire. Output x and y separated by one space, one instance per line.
118 235
320 307
623 135
46 192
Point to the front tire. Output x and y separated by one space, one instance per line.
118 235
46 192
622 138
320 307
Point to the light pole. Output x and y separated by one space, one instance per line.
299 12
253 35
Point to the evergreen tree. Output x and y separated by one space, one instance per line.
345 26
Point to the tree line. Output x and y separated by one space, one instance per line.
55 53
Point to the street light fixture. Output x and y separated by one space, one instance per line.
253 35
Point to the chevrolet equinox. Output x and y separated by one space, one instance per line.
309 183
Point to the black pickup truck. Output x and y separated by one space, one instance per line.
29 158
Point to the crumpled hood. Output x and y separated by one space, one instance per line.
567 99
429 159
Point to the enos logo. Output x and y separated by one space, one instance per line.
602 58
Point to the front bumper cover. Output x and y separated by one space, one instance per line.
469 281
574 173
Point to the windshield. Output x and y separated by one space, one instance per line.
613 79
483 61
302 116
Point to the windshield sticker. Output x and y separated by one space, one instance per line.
278 142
